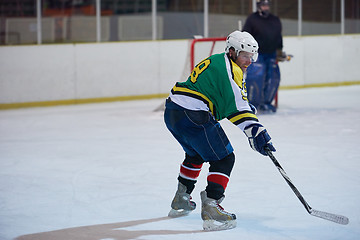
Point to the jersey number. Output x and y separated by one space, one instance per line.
204 64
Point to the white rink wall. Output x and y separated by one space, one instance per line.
321 60
51 73
82 71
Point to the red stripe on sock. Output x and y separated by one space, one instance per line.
199 166
218 178
192 173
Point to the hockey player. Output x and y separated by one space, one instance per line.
214 90
263 77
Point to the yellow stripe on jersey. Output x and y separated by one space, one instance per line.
243 116
195 94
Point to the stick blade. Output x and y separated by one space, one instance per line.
330 216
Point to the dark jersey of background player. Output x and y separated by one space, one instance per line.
266 31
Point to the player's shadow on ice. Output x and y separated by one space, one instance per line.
112 231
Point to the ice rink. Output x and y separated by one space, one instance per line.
109 172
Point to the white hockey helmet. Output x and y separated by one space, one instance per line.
242 41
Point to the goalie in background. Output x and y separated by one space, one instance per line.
263 77
214 90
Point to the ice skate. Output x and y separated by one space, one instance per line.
181 205
267 109
214 216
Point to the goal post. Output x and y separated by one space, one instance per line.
213 42
198 49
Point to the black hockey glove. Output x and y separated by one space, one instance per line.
259 138
282 56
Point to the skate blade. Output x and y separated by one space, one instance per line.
212 225
178 213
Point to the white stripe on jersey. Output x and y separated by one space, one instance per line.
189 102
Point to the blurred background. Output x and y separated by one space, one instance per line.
74 21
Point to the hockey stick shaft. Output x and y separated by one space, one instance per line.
289 182
327 216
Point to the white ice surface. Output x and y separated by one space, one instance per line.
109 171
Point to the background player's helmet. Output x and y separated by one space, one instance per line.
259 3
262 2
242 41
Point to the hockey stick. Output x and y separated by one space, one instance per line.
325 215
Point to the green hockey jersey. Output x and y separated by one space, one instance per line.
216 85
